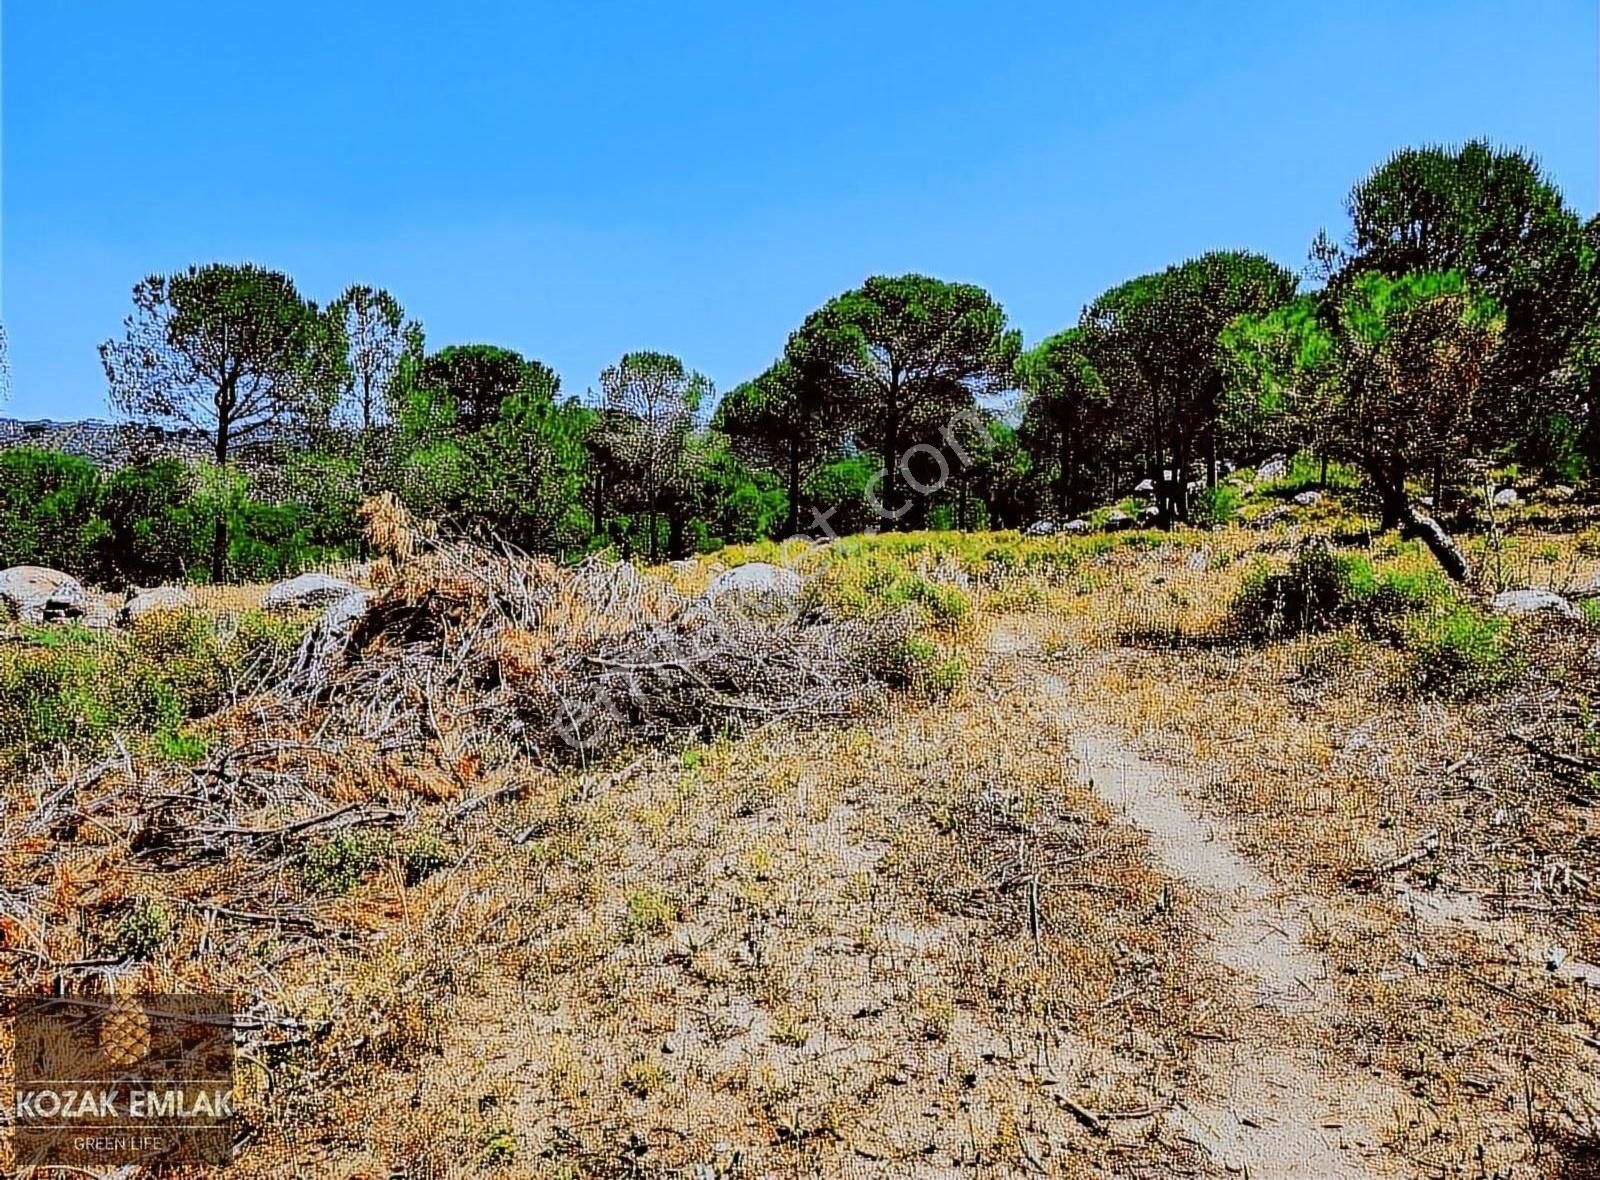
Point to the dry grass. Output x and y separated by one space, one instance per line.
912 942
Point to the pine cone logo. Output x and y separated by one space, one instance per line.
125 1034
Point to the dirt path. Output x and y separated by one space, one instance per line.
1270 1109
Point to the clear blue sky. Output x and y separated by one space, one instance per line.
580 180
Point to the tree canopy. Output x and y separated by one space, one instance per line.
902 357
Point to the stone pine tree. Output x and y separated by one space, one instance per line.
650 401
782 423
232 351
1155 341
901 357
1494 216
377 340
1390 374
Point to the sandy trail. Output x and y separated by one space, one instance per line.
1271 1110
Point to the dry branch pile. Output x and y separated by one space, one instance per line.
493 650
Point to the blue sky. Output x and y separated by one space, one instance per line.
577 181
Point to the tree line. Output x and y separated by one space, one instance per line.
1458 323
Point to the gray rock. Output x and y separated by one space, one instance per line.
1531 602
1559 493
1272 516
1077 526
758 588
1041 528
153 602
1118 519
1149 514
339 620
1145 487
1506 497
34 594
329 637
1586 587
1308 498
1274 468
307 592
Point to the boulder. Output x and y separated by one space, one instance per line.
307 592
1505 497
1149 514
1308 498
1272 516
1145 487
1533 602
1076 526
143 603
1274 468
339 621
328 638
34 594
1559 493
758 588
1117 519
1041 528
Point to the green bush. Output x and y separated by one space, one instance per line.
1459 652
141 930
334 865
1322 590
155 531
1318 591
73 688
425 854
1215 506
49 510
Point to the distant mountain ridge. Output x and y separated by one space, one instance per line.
106 444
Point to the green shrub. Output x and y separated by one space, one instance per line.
425 854
142 929
1318 591
49 510
649 913
1215 506
1459 652
73 688
155 530
1323 590
334 865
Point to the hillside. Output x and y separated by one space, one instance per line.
1135 854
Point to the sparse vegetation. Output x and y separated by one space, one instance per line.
1108 779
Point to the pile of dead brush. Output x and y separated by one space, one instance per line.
490 649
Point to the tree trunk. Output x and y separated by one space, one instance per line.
961 500
1443 547
1211 456
219 532
794 487
891 444
1064 484
1398 513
